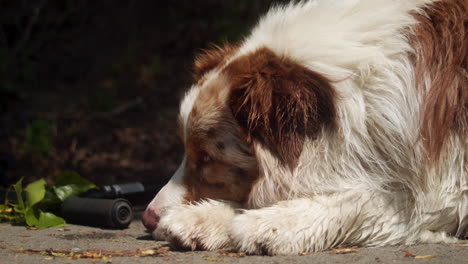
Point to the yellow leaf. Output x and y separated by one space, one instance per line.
344 250
211 259
232 254
461 245
425 257
148 252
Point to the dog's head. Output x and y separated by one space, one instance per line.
242 105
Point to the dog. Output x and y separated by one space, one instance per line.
334 123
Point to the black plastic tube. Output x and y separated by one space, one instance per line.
104 213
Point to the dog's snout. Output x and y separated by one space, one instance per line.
171 194
150 219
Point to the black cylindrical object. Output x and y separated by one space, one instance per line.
136 192
105 213
116 190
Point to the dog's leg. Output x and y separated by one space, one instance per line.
308 225
201 226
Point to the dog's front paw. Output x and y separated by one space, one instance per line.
203 226
254 234
276 230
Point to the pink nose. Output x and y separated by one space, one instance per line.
150 219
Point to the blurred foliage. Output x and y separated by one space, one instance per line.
100 100
32 30
26 27
38 137
109 67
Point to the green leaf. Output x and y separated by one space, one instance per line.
50 197
71 183
37 218
31 217
19 195
35 192
49 220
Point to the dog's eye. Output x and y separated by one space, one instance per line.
203 160
206 159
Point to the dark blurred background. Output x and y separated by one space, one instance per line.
94 86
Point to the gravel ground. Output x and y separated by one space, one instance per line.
20 245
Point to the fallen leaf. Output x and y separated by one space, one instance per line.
305 253
211 259
55 254
163 250
232 254
344 250
88 254
425 257
148 252
99 253
461 245
410 254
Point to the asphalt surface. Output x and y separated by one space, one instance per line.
54 245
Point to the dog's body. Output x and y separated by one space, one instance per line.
333 123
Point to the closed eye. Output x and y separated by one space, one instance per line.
204 160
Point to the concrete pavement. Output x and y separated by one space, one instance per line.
54 245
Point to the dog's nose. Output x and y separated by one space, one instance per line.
150 219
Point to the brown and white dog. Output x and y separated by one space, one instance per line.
336 122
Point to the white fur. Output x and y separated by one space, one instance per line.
186 108
201 226
366 184
170 195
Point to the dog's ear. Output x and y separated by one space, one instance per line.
210 58
279 103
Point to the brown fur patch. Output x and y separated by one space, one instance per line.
211 174
220 164
441 45
279 102
209 59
